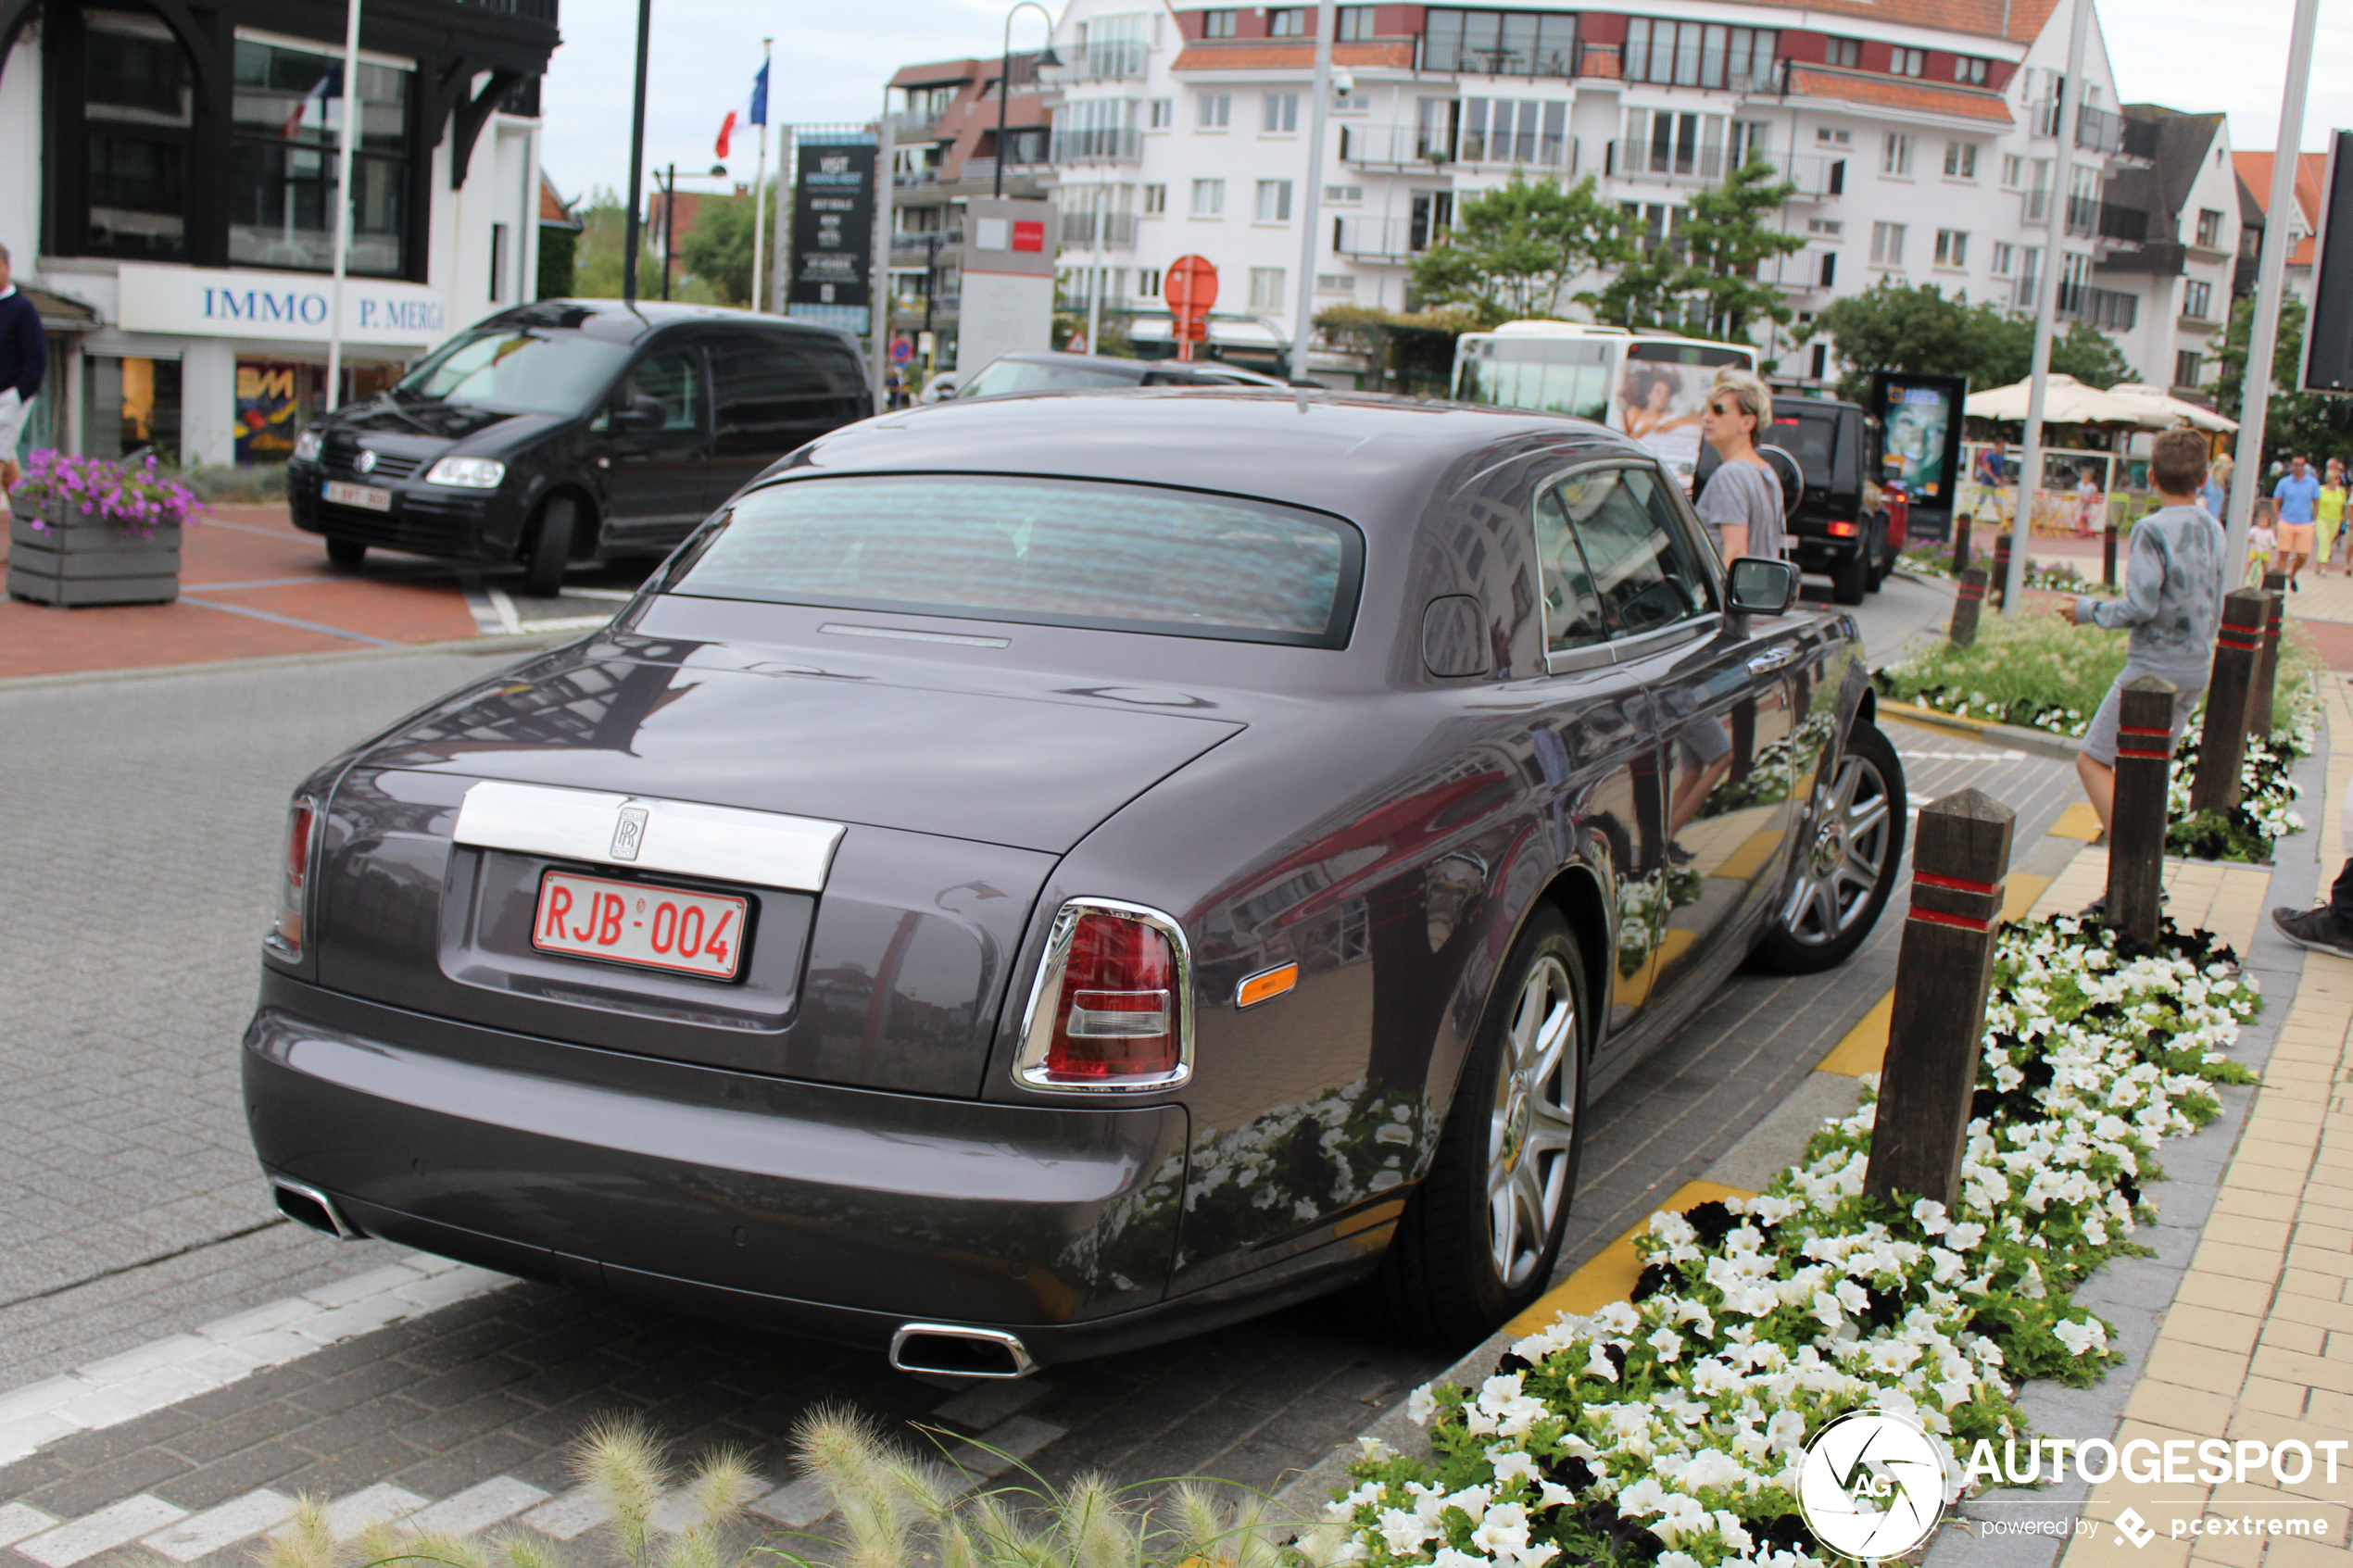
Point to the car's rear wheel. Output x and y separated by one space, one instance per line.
1847 867
346 552
550 550
1477 1243
1850 575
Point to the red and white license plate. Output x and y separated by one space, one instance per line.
365 495
593 917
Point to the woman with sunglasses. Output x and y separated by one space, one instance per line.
1741 502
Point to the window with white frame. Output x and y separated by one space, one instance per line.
1355 23
1335 282
1665 142
1209 198
1513 131
1968 68
1829 228
2013 171
1148 282
1216 108
1846 52
1219 24
1266 288
2198 300
2004 258
2209 228
1278 113
1961 161
1887 245
1155 201
1907 62
1274 201
1697 54
1834 135
1751 138
1896 154
1343 195
1164 113
1291 22
1952 247
2188 365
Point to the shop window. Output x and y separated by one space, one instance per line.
139 106
289 114
272 399
130 405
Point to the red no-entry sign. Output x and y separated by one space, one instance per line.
1190 288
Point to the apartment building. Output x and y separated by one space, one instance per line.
2168 231
1921 136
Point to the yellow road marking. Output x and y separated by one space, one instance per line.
1610 1275
2077 821
1865 1045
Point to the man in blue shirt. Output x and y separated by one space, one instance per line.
2299 492
24 356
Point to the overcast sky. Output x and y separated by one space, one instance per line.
831 60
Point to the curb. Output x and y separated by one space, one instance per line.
2035 743
478 647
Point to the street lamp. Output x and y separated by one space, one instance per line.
1047 59
670 217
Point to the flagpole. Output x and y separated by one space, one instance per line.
759 180
342 202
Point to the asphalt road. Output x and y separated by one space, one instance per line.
148 814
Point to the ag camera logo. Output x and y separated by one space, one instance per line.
1872 1485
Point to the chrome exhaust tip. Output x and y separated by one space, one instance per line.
949 1349
307 1205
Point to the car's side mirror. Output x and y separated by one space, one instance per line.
643 412
1760 586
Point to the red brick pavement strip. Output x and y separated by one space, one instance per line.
254 587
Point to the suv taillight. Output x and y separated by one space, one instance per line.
285 936
1109 1007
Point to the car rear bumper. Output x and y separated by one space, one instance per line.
811 1207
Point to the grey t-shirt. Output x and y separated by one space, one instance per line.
1744 493
2173 598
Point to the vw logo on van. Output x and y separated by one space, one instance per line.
367 464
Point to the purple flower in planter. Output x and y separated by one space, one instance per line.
134 495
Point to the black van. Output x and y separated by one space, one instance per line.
572 429
1839 526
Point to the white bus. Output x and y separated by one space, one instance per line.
1651 386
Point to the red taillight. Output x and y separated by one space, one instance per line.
1842 530
1108 1011
285 937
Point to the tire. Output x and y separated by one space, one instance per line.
1847 866
1477 1240
551 548
1850 578
1882 558
346 552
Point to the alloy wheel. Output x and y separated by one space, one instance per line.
1533 1128
1847 857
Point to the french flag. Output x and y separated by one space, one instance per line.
330 86
726 129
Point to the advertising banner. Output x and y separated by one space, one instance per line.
287 306
1920 425
832 225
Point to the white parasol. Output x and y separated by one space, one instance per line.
2068 402
2181 410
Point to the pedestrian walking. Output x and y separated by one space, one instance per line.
2089 503
24 359
2172 602
2262 543
2299 494
2328 515
1742 503
2216 495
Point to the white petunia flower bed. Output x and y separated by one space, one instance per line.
1669 1429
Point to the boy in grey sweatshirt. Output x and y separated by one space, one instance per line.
2173 601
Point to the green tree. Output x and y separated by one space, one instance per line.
1644 290
1920 330
1515 249
716 252
596 272
1724 238
558 249
2318 424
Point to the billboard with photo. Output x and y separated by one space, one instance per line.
1920 442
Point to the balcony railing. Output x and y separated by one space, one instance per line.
1113 59
1090 230
1507 150
980 171
916 247
1377 239
2124 225
1101 145
2098 130
1394 146
2140 140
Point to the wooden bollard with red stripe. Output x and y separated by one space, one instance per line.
2222 745
2107 550
1967 606
1942 967
2002 572
2266 663
1960 544
2136 825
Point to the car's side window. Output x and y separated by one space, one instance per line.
1642 568
672 380
1573 616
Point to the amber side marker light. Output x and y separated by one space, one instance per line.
1266 986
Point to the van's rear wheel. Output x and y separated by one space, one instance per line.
1477 1244
550 550
1882 558
1850 575
346 552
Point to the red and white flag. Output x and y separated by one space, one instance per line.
726 129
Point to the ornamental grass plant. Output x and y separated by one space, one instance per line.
1670 1429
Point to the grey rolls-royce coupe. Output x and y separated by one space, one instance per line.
1033 877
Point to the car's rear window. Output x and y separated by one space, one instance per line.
1123 557
1809 440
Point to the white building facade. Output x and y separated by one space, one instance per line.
185 198
1923 144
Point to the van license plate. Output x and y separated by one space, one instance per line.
366 496
636 922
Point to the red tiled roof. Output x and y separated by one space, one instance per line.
2311 173
1985 19
552 210
1258 55
937 73
1898 92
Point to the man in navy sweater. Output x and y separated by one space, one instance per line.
24 355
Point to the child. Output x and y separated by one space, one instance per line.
2261 541
2173 601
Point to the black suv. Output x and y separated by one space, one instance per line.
570 431
1840 525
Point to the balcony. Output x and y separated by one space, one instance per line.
1394 146
983 170
1113 59
906 248
1553 154
1093 231
1102 145
1377 239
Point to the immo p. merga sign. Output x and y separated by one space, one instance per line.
195 302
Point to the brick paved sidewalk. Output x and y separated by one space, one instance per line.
253 587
